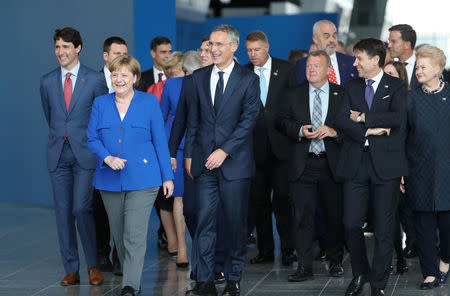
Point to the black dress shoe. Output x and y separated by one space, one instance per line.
410 252
430 285
203 289
219 278
288 258
321 256
301 275
377 292
336 270
104 264
127 291
356 285
251 239
402 267
232 289
443 276
261 259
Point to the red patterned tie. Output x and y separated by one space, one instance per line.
67 90
160 75
332 77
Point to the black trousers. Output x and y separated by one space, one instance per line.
271 176
407 219
357 196
427 224
316 185
103 233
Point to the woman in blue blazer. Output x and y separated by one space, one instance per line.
126 133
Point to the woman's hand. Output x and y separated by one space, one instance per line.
114 162
168 188
173 162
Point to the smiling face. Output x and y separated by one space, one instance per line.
222 49
427 71
367 66
326 38
66 53
122 81
317 70
205 54
258 52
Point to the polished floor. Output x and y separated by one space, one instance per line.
30 265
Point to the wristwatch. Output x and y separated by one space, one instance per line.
358 119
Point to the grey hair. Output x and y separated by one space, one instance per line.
323 53
318 23
191 61
233 34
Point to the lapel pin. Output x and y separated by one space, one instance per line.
353 75
444 99
345 65
82 79
276 72
386 86
335 93
145 160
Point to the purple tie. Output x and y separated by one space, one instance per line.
369 92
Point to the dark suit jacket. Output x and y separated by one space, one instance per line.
89 85
230 129
414 83
179 123
146 80
388 111
295 114
282 76
347 71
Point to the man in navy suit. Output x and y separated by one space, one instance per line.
371 161
67 94
325 38
219 155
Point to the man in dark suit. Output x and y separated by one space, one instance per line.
402 39
67 94
112 47
219 155
270 152
325 38
372 161
160 49
308 119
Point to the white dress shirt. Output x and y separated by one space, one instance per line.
155 74
108 79
267 70
215 78
73 76
410 66
335 65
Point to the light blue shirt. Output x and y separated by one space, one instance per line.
73 76
324 97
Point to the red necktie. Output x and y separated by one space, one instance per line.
160 75
332 77
67 90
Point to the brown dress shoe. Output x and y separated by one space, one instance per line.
71 279
95 277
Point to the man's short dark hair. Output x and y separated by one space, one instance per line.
157 41
69 34
113 40
372 47
297 54
407 33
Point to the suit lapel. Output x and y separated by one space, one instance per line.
382 90
305 107
332 97
59 90
207 89
79 86
232 84
273 80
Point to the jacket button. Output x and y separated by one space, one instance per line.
120 140
119 153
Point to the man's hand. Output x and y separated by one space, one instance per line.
114 162
173 162
307 134
378 131
215 159
354 115
168 188
325 131
187 166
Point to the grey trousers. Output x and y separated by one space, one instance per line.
128 214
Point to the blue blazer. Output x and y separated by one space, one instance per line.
347 71
169 101
89 85
139 138
231 129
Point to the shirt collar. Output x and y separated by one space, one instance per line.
106 71
411 60
227 70
333 57
324 89
73 71
377 78
267 65
158 71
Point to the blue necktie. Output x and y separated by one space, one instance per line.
369 92
263 86
219 92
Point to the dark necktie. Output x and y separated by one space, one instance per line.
160 75
219 92
67 90
369 92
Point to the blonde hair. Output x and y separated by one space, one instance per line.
126 61
173 64
436 55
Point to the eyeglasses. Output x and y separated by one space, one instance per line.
216 44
